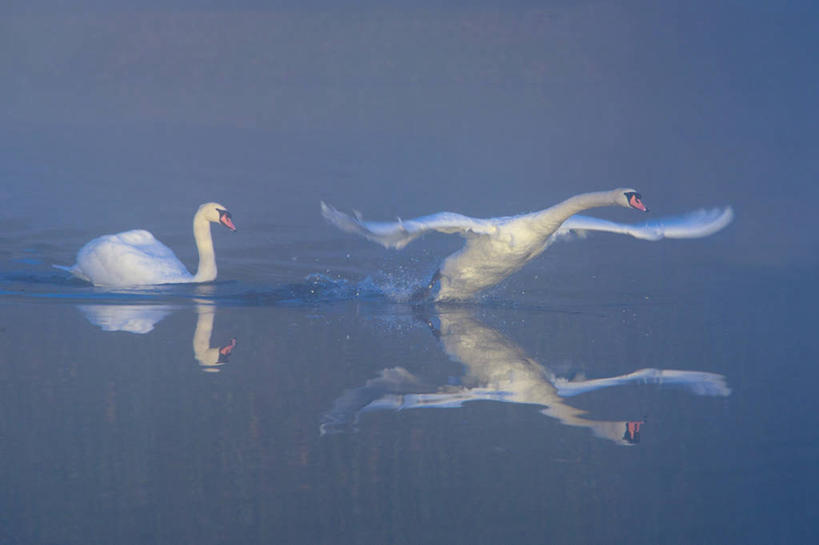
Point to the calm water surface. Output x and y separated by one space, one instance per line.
604 406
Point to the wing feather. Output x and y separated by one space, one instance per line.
696 224
399 233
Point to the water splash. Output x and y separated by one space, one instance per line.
316 288
397 288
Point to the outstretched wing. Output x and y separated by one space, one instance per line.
699 223
399 233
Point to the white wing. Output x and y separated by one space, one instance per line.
699 223
131 258
399 233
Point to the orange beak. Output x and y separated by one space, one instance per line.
227 222
635 202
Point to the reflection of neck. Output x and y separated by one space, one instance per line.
204 354
206 272
494 363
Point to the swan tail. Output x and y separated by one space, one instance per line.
74 270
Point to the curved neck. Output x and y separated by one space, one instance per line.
551 218
206 271
202 351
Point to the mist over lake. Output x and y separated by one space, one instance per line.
613 389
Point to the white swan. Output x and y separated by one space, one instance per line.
136 258
498 247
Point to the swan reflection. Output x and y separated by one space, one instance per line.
496 369
141 319
210 358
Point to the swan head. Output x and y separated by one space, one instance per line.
629 198
216 213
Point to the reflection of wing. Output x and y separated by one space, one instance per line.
496 369
142 319
699 223
347 408
138 319
697 382
400 233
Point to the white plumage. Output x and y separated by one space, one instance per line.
136 258
497 247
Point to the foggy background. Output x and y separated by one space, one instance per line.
117 115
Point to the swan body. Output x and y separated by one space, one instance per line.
497 247
136 258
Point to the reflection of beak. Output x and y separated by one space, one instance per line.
224 352
632 434
227 222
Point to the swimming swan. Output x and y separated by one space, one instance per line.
497 247
136 258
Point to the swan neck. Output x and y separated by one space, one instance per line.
584 201
553 216
206 271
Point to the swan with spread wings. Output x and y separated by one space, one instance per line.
497 247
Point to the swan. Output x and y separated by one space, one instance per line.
136 258
497 247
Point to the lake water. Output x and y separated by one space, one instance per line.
612 391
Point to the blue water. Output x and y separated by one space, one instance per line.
342 416
613 390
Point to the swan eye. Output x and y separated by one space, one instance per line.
224 219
